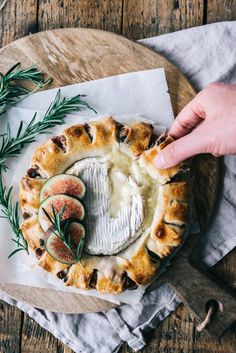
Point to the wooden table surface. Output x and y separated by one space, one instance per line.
134 19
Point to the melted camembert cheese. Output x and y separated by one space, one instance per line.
120 200
128 178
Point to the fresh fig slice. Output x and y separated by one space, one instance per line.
63 184
72 229
59 251
73 209
75 233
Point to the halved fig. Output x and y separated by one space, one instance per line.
59 251
63 184
74 231
74 234
73 208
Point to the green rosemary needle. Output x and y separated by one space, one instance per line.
55 115
11 88
12 147
10 211
60 232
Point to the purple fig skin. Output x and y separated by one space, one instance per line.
63 184
76 232
52 228
59 251
73 209
55 246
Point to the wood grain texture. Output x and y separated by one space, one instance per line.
62 304
143 19
177 333
17 19
36 339
196 291
73 50
98 14
10 328
220 10
225 270
63 349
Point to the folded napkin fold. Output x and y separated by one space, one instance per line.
205 54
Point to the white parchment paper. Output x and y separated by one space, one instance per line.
128 97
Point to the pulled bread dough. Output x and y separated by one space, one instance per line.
135 214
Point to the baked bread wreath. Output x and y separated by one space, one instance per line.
102 178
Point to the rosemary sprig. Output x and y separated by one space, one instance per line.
10 211
11 89
12 146
55 115
60 231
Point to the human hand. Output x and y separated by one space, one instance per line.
206 125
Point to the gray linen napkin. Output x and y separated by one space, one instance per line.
205 54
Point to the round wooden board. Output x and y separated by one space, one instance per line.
77 55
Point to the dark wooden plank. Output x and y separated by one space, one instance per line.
100 14
175 334
224 270
10 328
36 339
220 10
143 19
197 290
17 19
63 349
178 334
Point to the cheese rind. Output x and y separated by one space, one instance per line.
114 207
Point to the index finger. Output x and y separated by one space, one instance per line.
191 115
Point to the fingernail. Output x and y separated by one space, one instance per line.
160 161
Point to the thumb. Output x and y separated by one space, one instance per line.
179 150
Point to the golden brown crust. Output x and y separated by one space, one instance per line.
79 276
164 238
170 218
32 232
139 137
29 192
108 274
52 160
161 175
141 269
177 213
108 285
50 265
